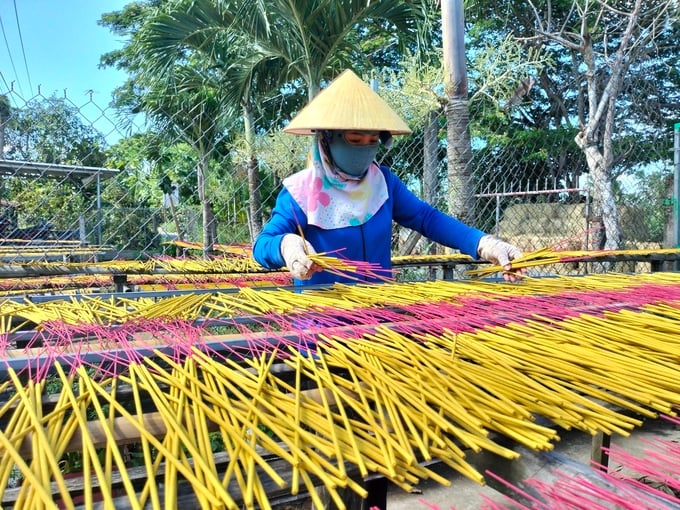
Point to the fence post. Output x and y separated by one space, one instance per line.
82 233
676 191
498 215
587 242
99 209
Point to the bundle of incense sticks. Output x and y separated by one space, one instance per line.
352 269
549 256
242 250
559 295
395 401
82 283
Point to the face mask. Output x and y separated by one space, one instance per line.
352 160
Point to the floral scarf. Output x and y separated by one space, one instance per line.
331 201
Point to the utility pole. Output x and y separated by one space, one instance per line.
676 192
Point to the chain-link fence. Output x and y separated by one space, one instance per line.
72 174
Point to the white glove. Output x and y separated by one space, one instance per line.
499 252
294 251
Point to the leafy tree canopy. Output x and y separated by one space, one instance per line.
52 131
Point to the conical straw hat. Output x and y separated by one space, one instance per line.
347 103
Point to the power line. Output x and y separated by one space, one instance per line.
23 51
11 60
2 76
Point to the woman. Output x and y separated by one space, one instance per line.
345 203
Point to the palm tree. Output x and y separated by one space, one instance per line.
261 46
190 106
312 37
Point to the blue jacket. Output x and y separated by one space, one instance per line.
370 242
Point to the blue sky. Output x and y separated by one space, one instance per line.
53 46
61 47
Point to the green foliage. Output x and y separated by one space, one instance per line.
50 130
132 229
499 64
216 442
180 53
650 195
144 159
42 201
415 89
282 154
5 110
543 158
53 385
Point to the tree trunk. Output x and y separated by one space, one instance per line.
430 164
173 212
604 204
253 169
212 223
459 154
595 138
255 204
430 161
208 218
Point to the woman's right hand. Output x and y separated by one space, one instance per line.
501 253
295 251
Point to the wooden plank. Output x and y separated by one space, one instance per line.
186 497
124 432
598 455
